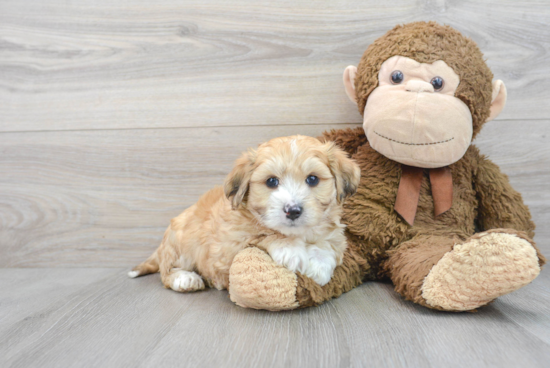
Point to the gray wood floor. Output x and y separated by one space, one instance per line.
101 318
116 115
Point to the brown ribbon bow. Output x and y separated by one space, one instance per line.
409 191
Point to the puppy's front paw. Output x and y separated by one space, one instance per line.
185 281
293 258
321 265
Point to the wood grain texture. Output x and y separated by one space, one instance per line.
23 292
116 115
114 321
103 64
104 198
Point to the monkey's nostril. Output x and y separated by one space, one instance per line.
293 212
419 86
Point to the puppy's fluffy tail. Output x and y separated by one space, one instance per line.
151 265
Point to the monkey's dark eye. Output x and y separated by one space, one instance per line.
312 180
396 77
438 83
272 182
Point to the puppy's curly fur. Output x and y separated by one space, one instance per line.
285 197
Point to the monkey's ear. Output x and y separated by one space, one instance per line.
345 171
498 99
349 82
237 182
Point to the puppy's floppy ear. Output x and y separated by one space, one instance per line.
345 171
237 182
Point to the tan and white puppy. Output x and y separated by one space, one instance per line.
285 197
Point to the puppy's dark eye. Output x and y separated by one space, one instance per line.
272 182
397 77
438 83
312 180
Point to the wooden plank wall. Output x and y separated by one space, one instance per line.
116 115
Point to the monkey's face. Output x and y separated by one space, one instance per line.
413 117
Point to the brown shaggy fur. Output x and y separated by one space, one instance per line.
380 243
413 260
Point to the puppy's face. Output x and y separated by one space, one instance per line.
292 184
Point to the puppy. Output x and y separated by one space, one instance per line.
285 197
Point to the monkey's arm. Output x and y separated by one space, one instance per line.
500 206
347 139
256 281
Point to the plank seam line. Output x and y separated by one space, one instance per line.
206 127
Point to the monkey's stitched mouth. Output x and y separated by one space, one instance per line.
414 144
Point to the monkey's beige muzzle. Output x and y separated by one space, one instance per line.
415 126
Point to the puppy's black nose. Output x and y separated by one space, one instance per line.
293 212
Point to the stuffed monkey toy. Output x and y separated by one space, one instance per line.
431 213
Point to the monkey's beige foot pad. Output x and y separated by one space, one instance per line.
483 268
256 281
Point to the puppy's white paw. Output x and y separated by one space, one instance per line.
321 265
184 281
294 258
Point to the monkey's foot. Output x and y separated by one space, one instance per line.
256 281
486 266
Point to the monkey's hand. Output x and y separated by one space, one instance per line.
256 281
